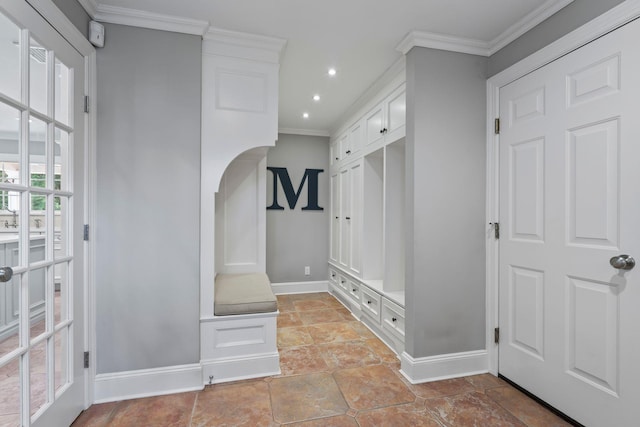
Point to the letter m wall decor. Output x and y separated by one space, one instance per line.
310 177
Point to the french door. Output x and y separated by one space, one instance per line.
570 216
41 216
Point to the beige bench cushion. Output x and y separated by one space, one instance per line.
243 294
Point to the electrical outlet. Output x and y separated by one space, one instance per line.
307 271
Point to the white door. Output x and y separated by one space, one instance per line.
41 216
569 202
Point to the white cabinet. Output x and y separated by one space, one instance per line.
347 224
346 145
386 121
334 247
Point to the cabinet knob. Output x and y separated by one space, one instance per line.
393 319
369 302
342 281
333 275
353 290
384 130
347 217
381 130
348 151
337 158
337 217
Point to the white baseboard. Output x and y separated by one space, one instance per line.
300 287
445 366
147 382
222 370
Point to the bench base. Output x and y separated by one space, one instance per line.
239 347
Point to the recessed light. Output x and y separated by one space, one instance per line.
332 71
316 97
305 115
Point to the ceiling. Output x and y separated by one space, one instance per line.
357 37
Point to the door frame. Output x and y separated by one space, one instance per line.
616 17
61 23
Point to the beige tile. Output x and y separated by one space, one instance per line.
470 409
288 319
372 387
342 355
384 353
312 304
96 415
525 409
168 411
442 388
397 416
306 397
332 332
320 316
293 337
485 382
301 360
238 404
339 421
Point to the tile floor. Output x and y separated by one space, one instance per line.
335 372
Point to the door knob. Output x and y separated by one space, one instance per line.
623 262
5 274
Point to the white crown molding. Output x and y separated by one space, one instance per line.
480 47
532 19
154 21
304 132
90 6
443 42
217 41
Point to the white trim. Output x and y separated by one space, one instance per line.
442 367
304 132
148 382
58 20
235 44
240 368
532 19
417 38
607 22
443 42
154 21
300 287
90 6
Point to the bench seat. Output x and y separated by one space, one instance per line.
243 294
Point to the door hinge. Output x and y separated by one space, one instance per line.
496 335
86 359
496 229
496 126
86 104
86 232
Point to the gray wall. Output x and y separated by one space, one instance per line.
566 20
297 238
148 179
445 196
76 14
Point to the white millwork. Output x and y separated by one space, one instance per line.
568 204
366 259
239 123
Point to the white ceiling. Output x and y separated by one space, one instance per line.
357 37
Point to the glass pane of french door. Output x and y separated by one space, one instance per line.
41 173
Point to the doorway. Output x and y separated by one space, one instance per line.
568 294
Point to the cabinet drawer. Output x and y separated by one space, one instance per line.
342 282
370 303
393 318
354 290
333 276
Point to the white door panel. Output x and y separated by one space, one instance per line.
569 155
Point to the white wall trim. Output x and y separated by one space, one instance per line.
607 22
154 21
442 367
148 382
63 25
443 42
300 287
221 370
305 132
235 44
532 19
480 47
90 6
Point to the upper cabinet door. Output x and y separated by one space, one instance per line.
375 124
396 112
